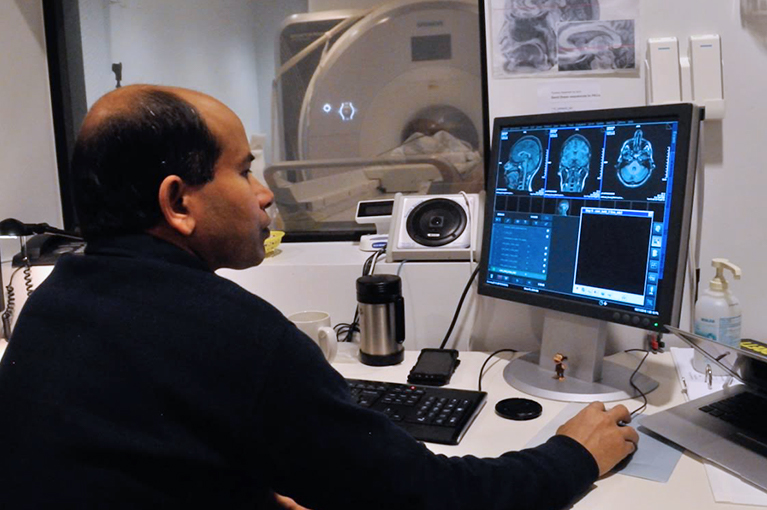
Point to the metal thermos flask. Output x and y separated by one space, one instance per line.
382 319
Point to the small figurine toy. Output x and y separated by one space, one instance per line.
560 366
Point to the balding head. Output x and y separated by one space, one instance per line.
125 101
131 139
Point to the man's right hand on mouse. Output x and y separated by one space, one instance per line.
598 430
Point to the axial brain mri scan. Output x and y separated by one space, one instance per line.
635 163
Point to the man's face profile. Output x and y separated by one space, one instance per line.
231 220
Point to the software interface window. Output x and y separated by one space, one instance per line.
581 210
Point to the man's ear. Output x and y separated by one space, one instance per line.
173 197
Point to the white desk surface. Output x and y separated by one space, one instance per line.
491 435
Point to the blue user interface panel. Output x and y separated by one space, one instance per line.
582 210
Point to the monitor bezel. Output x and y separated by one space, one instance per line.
669 296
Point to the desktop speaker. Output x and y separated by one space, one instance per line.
435 227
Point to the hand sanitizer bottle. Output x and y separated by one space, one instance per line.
717 311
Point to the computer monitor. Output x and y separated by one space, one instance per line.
587 214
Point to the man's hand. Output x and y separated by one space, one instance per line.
598 431
288 503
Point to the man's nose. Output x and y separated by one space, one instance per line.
264 194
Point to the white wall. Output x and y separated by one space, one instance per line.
207 46
734 218
224 48
29 189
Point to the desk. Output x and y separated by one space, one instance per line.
490 435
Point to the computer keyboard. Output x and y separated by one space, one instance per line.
434 415
747 411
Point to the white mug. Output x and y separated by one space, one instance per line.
316 325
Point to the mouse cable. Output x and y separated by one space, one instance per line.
633 413
482 370
458 308
640 409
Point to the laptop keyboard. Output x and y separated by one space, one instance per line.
435 415
747 411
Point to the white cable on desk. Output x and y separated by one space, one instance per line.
472 234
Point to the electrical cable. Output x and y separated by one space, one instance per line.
640 409
458 308
28 279
472 235
482 370
369 266
633 413
27 269
7 316
696 233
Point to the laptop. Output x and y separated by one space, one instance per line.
729 427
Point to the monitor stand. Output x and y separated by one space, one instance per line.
588 377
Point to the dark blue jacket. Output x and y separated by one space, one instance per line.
138 378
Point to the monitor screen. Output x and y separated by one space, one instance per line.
589 212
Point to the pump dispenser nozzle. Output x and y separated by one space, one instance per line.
718 282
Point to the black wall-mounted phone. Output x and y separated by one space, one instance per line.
45 249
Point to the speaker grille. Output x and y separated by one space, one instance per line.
436 222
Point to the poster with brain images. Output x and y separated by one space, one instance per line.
563 37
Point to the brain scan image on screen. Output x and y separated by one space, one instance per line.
635 163
528 40
563 206
574 164
525 159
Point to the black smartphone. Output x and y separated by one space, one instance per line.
434 367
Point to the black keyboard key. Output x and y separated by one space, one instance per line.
743 410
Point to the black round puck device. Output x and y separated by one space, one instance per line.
519 409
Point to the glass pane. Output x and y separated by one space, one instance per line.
343 100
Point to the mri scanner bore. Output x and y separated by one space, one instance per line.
391 102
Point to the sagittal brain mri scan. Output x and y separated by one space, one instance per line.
528 37
574 164
635 163
524 162
596 45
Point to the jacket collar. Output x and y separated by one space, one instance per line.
143 246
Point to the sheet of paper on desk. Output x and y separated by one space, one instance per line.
654 459
726 488
694 381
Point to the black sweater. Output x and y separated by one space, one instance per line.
138 378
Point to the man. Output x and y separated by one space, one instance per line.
137 378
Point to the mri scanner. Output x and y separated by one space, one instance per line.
390 102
